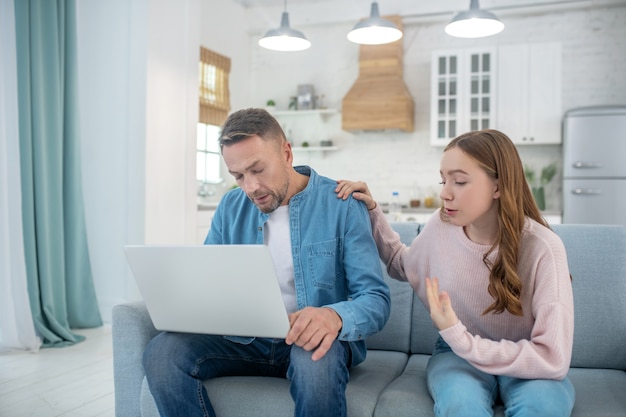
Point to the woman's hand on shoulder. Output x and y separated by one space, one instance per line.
359 191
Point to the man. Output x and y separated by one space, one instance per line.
328 269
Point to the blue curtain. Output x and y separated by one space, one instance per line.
60 284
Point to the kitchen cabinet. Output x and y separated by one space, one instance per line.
529 93
462 92
311 126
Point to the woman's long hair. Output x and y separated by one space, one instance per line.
497 155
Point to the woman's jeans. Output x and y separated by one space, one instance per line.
176 364
459 389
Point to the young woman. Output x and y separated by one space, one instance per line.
495 279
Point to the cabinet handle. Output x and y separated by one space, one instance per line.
586 165
586 191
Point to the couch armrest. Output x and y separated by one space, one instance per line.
132 329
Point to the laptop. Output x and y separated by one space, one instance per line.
212 289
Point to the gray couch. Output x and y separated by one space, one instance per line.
391 382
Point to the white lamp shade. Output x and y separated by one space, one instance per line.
284 38
374 35
374 30
474 23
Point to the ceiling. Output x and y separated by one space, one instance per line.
261 13
395 4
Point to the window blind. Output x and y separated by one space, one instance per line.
214 90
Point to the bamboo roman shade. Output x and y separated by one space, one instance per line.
214 92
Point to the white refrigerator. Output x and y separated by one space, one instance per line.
594 165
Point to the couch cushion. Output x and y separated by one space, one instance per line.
244 396
247 396
599 392
407 231
397 332
597 260
369 379
423 332
408 395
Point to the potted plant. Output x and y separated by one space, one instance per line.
270 105
537 185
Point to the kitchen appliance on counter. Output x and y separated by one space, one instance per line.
594 165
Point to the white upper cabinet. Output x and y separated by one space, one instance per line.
462 92
529 93
515 89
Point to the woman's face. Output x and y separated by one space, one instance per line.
469 195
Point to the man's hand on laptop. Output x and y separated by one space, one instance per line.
314 328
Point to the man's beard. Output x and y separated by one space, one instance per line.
277 198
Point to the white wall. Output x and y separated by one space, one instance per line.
594 73
138 83
112 88
223 29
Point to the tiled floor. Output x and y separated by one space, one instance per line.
74 381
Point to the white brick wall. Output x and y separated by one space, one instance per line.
594 73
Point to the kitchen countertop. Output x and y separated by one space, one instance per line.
207 206
425 210
405 210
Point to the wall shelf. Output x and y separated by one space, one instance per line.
321 112
307 126
324 114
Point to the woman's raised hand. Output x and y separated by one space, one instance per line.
441 311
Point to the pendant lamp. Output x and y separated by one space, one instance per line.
284 38
374 30
474 23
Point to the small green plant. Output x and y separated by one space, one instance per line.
547 173
270 103
537 184
305 144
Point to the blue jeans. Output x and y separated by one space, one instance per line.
459 389
177 363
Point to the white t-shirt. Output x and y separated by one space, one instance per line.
278 239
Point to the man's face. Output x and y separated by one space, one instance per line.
261 168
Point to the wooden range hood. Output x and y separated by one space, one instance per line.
379 99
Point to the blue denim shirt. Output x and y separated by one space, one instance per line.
335 258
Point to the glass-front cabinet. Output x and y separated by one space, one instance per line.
463 96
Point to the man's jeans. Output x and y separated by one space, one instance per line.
459 389
177 363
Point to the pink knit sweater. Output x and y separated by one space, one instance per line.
537 345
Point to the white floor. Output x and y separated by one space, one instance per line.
74 381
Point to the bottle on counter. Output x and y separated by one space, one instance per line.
430 200
395 208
